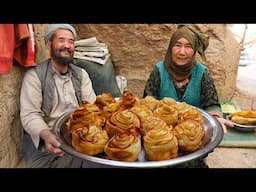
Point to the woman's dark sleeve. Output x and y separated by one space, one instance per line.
209 95
153 84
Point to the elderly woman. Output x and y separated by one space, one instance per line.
183 78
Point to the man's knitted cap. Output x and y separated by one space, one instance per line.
53 27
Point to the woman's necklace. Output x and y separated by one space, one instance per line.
180 84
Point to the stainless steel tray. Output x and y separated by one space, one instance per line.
212 138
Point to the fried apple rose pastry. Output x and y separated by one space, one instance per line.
127 100
190 134
122 121
167 113
152 122
160 144
183 107
104 99
150 102
92 108
109 109
142 112
168 101
123 147
89 140
192 113
85 115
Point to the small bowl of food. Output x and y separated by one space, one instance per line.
244 120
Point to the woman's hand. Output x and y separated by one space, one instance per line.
224 122
51 142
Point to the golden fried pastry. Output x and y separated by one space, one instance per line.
150 102
244 117
167 113
104 99
123 147
85 115
168 101
141 111
152 122
89 140
243 120
109 109
73 125
189 134
183 107
87 107
192 113
127 100
84 108
90 107
87 119
160 144
122 121
246 114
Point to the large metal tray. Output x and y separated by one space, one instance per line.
212 138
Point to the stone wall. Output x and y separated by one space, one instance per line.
135 49
10 126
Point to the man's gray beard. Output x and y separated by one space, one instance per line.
64 61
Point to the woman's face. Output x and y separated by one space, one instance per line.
182 52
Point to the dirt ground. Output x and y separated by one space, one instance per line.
223 157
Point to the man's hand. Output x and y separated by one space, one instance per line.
51 142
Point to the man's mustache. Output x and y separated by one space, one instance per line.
66 49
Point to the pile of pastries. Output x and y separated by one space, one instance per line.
121 127
244 117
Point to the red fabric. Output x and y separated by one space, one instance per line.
16 43
6 47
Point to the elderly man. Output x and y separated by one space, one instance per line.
49 90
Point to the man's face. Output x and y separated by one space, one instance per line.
62 47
